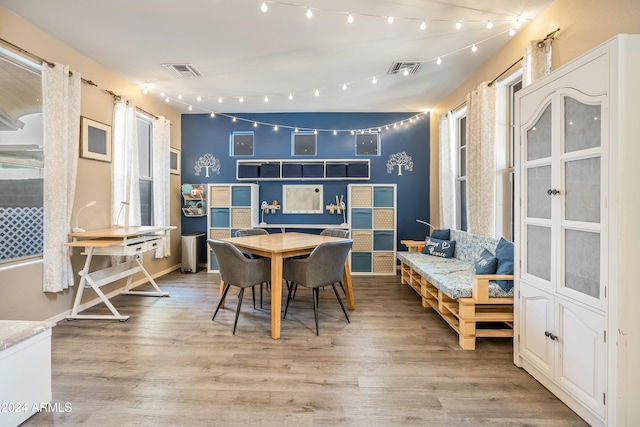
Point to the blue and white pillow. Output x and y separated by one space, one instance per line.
442 234
486 264
439 248
504 253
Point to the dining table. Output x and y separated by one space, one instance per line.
277 247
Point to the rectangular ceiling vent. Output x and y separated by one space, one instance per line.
404 67
183 70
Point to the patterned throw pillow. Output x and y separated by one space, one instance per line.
504 253
444 234
487 263
439 248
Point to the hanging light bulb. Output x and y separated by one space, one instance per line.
264 7
439 61
234 120
290 96
190 108
309 14
255 124
423 25
199 98
275 128
162 94
317 92
179 96
512 32
489 25
374 80
241 99
167 100
212 115
296 130
379 129
335 132
390 19
352 132
474 48
220 100
350 19
266 98
458 25
387 127
344 86
518 24
315 131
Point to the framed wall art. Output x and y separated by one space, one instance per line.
95 140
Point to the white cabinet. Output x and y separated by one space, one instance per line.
573 196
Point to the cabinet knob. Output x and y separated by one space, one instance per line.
551 336
553 191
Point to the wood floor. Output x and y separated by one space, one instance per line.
396 364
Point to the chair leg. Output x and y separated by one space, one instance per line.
224 294
295 288
238 309
342 286
316 294
340 301
286 307
261 286
253 295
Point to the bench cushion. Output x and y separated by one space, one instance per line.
14 331
450 275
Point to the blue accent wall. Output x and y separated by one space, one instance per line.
202 134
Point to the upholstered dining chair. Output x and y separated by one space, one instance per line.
238 270
323 267
253 232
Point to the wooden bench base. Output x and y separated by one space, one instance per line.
475 317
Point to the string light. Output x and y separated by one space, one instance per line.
458 25
199 98
190 108
264 7
255 124
266 98
241 99
489 25
350 19
167 100
344 86
309 14
317 92
220 100
423 25
439 61
275 128
518 24
512 32
234 120
474 48
179 96
212 115
290 96
374 80
390 19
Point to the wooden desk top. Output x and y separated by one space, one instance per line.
120 232
281 242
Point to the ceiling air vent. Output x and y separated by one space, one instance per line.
183 70
404 67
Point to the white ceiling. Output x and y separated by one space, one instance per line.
243 52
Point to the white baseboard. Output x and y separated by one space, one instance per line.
96 301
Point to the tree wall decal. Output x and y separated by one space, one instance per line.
206 162
400 159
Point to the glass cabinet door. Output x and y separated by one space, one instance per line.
581 198
537 250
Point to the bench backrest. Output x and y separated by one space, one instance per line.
469 246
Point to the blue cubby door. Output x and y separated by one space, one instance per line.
220 217
361 262
361 218
240 196
383 240
383 197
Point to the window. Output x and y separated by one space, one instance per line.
145 161
513 89
21 158
303 144
461 181
368 144
242 143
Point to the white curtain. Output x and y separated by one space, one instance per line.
536 62
61 110
125 168
161 179
447 171
481 161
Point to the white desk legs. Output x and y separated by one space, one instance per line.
157 293
87 280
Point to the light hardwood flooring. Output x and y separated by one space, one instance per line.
396 364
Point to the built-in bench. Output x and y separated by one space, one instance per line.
473 305
25 369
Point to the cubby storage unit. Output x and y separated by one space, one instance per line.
371 212
231 207
299 169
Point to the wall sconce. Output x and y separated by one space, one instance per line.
77 229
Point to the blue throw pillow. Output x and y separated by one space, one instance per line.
487 263
439 247
441 234
504 253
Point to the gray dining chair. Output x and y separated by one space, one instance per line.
253 232
323 267
238 270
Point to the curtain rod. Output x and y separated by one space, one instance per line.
51 64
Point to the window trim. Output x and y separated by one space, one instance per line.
461 218
148 120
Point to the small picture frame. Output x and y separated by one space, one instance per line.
174 161
95 140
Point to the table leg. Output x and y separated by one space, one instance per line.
348 286
220 293
276 294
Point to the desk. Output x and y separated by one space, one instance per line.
280 246
130 242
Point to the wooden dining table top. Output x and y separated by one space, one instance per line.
289 243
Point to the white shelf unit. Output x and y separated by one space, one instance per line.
231 207
372 217
303 169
